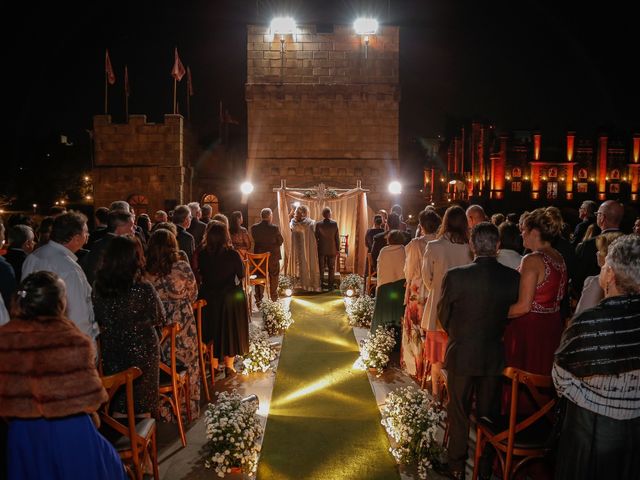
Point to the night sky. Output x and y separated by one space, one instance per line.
522 65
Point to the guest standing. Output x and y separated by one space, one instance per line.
197 227
415 294
182 220
7 275
304 251
225 321
128 311
267 238
597 371
510 245
450 249
21 243
49 388
239 235
328 238
176 285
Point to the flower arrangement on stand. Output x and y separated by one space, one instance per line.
261 353
276 317
233 429
411 417
330 194
285 282
376 348
353 282
360 311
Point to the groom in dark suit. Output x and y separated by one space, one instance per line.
328 239
267 238
473 311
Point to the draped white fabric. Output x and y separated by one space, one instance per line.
349 209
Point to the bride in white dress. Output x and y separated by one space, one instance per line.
304 251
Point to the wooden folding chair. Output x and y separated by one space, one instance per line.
135 440
174 381
525 436
205 352
257 272
372 279
343 253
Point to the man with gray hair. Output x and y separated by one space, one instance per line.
21 243
267 238
197 228
207 210
587 214
473 311
182 220
475 215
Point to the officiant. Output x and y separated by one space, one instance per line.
304 251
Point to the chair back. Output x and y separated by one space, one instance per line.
113 383
344 244
372 279
169 335
258 265
202 348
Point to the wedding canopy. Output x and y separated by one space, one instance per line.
348 207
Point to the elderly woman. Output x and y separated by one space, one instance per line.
597 371
49 389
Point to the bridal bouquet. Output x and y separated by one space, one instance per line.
353 282
411 417
275 316
261 353
360 311
233 429
375 349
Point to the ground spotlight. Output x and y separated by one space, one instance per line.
349 293
246 188
288 292
395 188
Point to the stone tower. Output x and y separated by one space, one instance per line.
322 108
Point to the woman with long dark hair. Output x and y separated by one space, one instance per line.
225 320
239 235
49 388
176 285
128 310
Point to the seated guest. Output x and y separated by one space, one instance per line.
21 243
128 311
49 388
176 286
225 321
239 235
389 308
510 245
592 293
597 371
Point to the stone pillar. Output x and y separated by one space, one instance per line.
601 175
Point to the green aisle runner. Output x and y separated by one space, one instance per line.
323 422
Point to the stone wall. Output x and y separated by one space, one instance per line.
141 158
322 112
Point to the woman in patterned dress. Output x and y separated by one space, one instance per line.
415 296
176 285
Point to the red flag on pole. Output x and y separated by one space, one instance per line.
178 70
108 69
127 92
189 83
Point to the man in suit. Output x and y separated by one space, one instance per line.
473 311
608 217
197 228
267 238
101 228
21 243
587 214
328 239
182 220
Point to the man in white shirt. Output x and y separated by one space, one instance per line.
68 235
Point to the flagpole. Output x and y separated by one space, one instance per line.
126 93
106 92
175 85
188 105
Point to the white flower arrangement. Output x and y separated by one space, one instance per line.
411 417
330 194
354 282
360 311
233 429
284 282
375 349
276 317
261 353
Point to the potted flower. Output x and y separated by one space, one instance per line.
352 282
411 417
360 311
275 316
285 285
233 429
375 349
261 353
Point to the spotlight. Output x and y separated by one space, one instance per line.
296 204
365 26
246 188
349 293
395 188
283 26
288 292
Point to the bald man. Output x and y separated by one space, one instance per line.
475 215
608 217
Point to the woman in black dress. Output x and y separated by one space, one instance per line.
225 320
128 310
